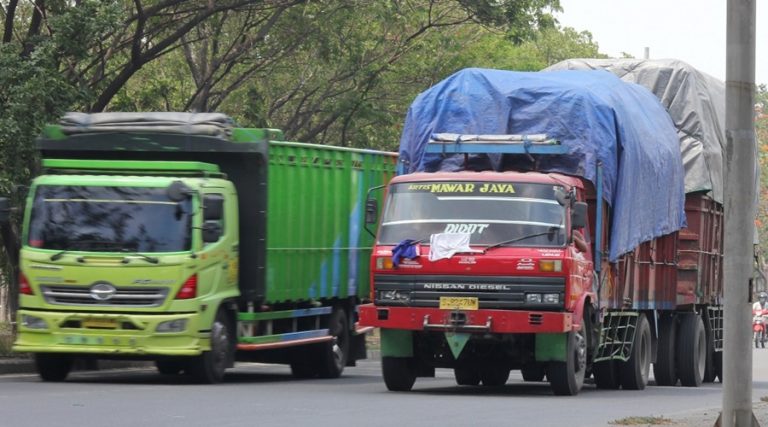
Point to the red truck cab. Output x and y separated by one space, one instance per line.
512 298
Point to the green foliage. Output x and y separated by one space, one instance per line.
761 134
339 72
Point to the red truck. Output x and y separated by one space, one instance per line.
572 254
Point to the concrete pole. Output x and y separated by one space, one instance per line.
646 53
739 214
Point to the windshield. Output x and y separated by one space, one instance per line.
492 212
109 219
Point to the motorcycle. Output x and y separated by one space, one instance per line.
759 327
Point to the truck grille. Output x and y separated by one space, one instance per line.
124 297
491 292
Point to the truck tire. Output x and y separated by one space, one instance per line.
533 373
567 378
53 367
466 376
606 374
634 372
664 370
494 375
709 365
691 350
399 373
333 354
209 367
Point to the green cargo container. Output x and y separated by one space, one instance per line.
304 209
289 269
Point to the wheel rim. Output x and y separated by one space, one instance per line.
702 347
219 345
338 346
645 358
580 352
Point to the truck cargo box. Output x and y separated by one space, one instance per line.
301 205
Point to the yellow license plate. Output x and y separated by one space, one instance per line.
100 323
459 303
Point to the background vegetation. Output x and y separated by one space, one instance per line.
339 72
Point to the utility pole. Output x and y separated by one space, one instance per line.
739 214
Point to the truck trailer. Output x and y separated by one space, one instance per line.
540 222
183 239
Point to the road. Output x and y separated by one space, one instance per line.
267 395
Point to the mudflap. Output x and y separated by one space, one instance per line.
396 343
456 341
399 343
357 350
551 347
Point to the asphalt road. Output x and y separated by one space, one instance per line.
267 395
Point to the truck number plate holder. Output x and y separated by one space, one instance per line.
459 303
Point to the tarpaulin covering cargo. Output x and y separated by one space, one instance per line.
694 100
598 117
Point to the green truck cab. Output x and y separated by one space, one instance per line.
183 239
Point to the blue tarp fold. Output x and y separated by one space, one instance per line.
596 115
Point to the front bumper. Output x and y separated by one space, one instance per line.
131 335
473 321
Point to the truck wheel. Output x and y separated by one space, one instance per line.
567 378
466 376
169 367
209 367
534 373
634 372
494 375
53 367
709 358
664 368
691 350
606 374
399 373
333 355
303 369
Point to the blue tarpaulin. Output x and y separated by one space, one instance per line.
594 114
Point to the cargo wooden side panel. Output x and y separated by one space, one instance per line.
676 270
645 278
317 247
700 252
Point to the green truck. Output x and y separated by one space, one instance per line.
183 239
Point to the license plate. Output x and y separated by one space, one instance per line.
100 323
459 303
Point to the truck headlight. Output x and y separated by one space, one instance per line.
552 298
33 322
177 325
533 298
550 265
394 295
384 263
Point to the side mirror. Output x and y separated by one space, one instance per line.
5 210
211 231
178 191
213 207
579 215
371 211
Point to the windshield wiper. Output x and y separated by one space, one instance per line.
517 239
147 258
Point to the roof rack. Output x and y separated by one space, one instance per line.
452 143
132 167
